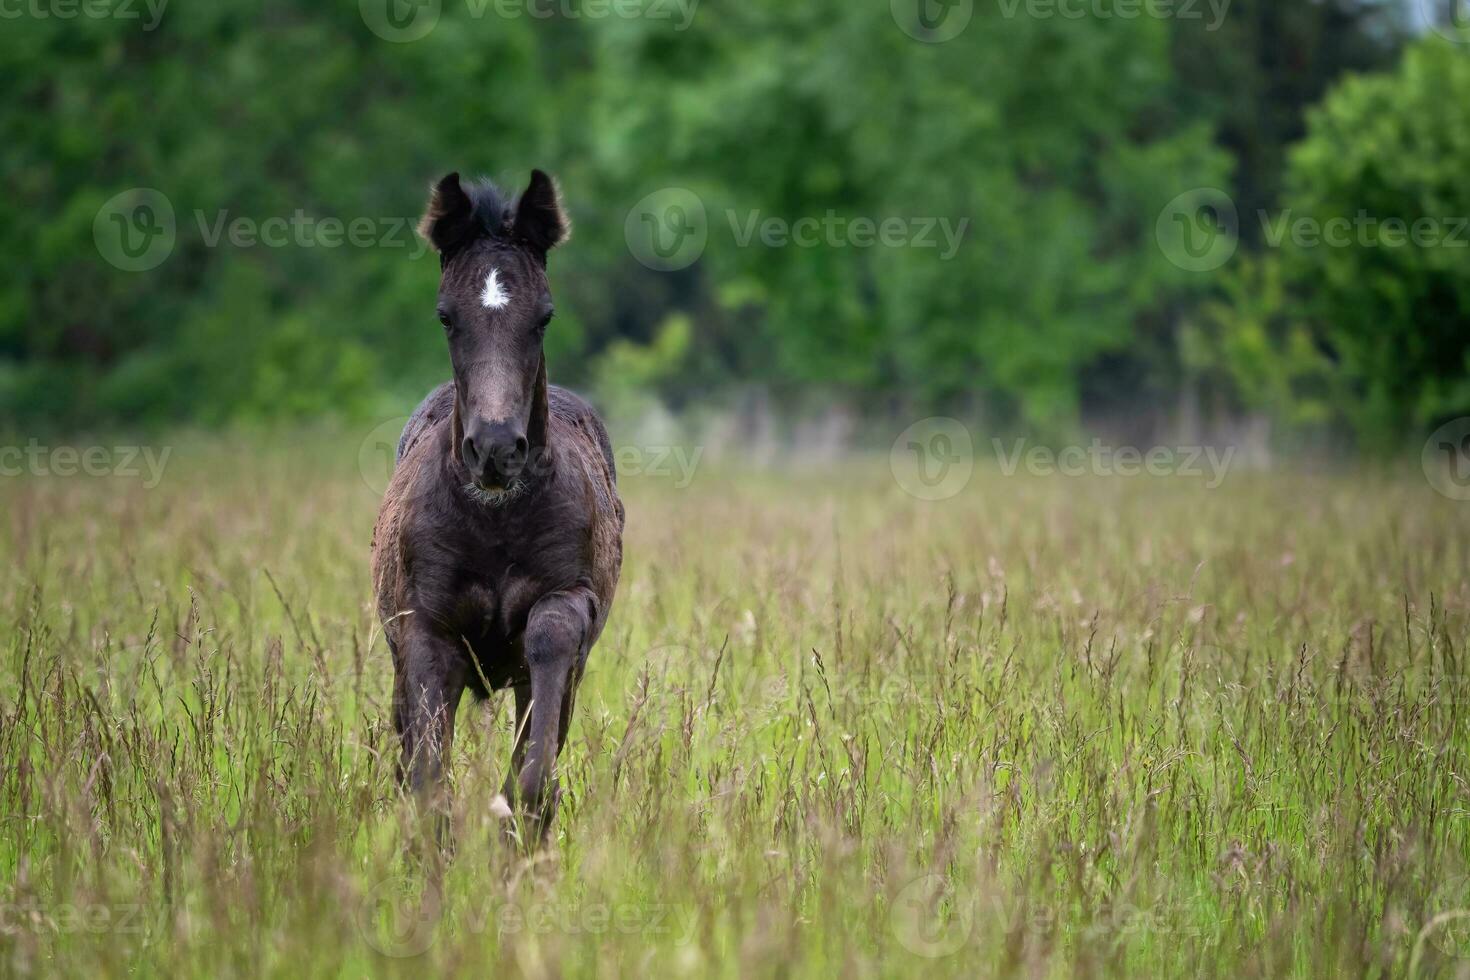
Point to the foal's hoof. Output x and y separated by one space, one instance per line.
525 825
513 829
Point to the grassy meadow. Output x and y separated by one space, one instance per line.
1049 726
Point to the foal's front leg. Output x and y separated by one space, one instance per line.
555 644
428 683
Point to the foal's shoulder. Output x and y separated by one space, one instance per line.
433 409
572 409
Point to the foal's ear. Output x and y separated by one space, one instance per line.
540 220
449 221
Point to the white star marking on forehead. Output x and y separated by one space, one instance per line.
495 297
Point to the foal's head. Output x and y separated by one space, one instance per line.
495 304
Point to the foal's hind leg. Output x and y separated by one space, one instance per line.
428 684
555 641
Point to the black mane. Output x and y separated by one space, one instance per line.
492 212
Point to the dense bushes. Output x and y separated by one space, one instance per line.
1383 174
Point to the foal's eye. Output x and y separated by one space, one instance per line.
444 319
543 323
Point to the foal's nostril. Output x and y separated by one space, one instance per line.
492 450
512 458
471 454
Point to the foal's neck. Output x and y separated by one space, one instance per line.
538 429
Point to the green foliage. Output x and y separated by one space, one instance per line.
1033 153
628 374
1253 346
784 114
1254 71
1393 303
235 112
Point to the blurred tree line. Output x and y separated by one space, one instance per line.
1061 139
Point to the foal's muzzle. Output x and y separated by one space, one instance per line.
494 453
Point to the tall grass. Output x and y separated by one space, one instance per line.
1049 726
